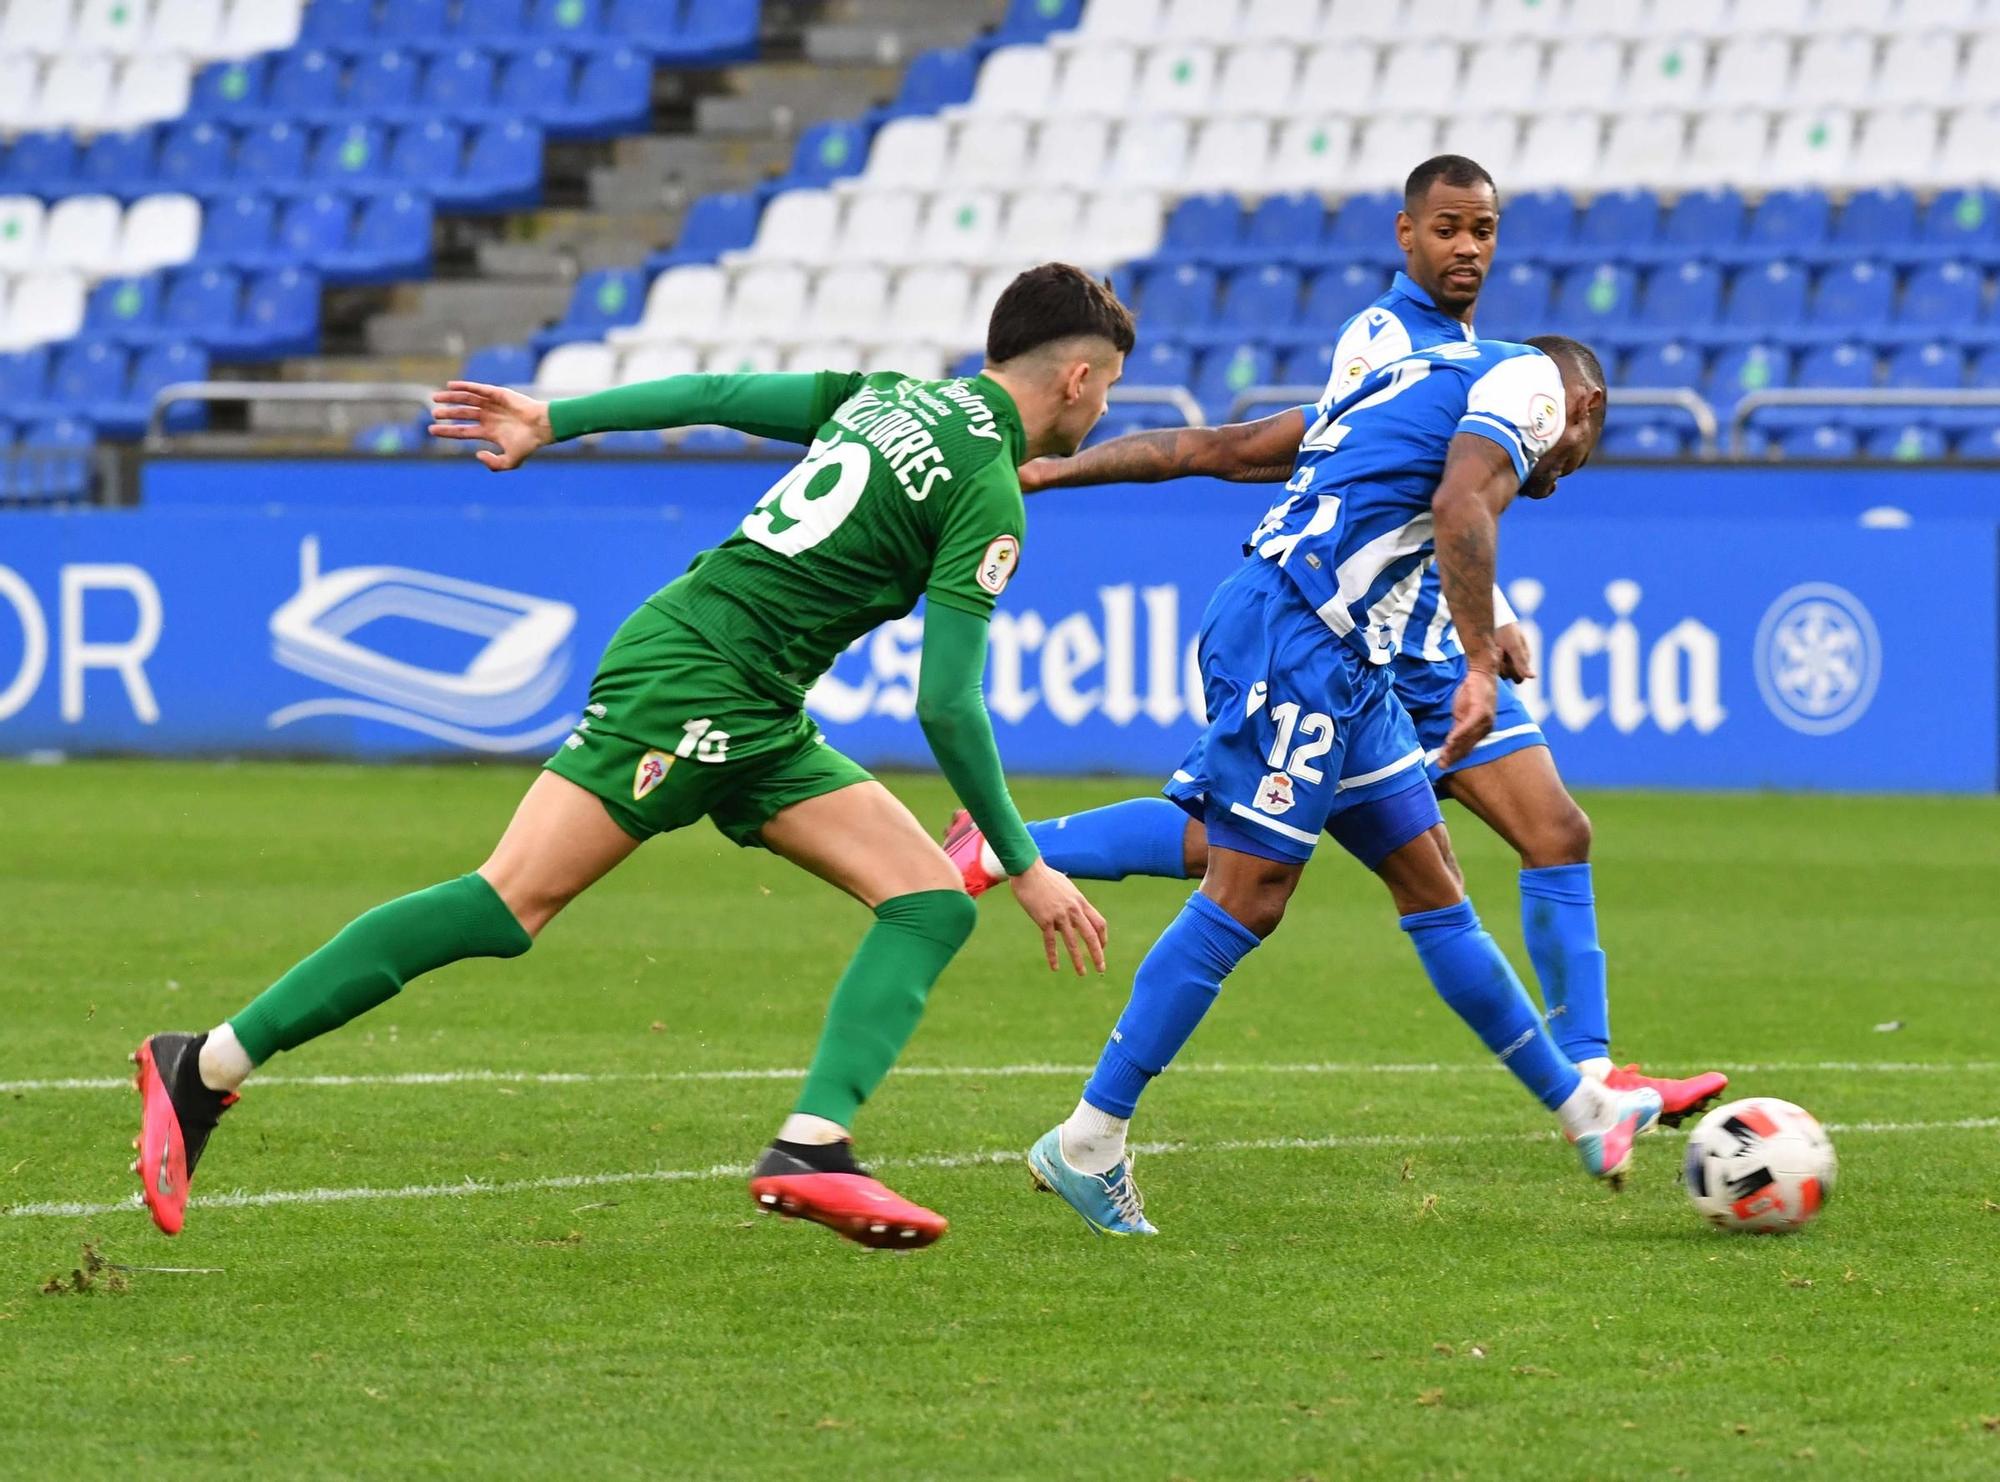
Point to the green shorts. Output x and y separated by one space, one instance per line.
675 732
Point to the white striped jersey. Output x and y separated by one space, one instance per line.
1354 530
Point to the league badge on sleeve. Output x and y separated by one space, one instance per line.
997 565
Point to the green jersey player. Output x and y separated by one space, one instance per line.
908 489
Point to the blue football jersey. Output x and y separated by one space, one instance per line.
1401 321
1354 530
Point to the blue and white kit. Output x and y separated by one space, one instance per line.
1296 646
1428 662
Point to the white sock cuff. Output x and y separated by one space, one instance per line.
803 1127
224 1064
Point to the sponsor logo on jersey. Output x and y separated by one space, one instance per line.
997 565
652 771
1545 417
1274 793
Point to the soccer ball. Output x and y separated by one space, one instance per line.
1759 1166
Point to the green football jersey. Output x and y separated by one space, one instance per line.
910 489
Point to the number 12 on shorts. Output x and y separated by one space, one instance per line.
1314 733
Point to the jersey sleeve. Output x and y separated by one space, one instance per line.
1519 405
979 545
1367 342
790 408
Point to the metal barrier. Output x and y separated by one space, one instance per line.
1757 401
326 393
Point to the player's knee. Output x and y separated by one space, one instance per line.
534 906
1562 838
950 915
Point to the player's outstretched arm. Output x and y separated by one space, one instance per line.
514 422
1260 452
953 714
1479 481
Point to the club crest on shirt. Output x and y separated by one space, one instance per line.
1274 793
651 773
997 565
1545 417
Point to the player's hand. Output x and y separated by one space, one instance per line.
1517 660
1471 716
1038 474
467 411
1053 903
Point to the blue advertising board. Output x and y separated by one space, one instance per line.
312 608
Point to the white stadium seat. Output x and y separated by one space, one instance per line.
1835 69
1750 69
1589 73
1177 80
1504 74
1667 72
767 301
45 307
910 153
76 92
797 226
960 226
151 89
743 358
823 355
1070 152
1389 144
1150 152
685 303
1203 20
986 291
1456 20
1560 149
1897 146
656 363
1099 80
1980 81
1339 74
1743 16
115 26
1880 17
849 301
191 28
82 234
260 25
1281 20
1918 69
1494 139
1811 146
159 231
1119 226
1708 17
20 90
1230 154
42 26
1119 20
1970 150
1645 149
1362 18
1311 154
1041 225
993 154
930 303
1543 18
1728 148
1015 80
880 226
1419 74
924 362
21 222
1257 80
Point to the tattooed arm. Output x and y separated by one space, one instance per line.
1243 452
1479 482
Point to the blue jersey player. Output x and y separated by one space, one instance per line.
1447 231
1306 735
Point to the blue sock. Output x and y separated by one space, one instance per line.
1171 991
1559 919
1475 978
1141 836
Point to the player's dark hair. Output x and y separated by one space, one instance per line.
1572 355
1451 169
1055 302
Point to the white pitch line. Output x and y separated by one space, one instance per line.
975 1072
469 1185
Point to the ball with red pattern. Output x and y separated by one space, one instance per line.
1759 1166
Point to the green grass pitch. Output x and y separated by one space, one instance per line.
1376 1262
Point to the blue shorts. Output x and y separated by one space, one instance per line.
1301 727
1425 686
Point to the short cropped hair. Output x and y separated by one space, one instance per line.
1572 355
1452 169
1055 302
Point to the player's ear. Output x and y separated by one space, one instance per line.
1406 230
1073 382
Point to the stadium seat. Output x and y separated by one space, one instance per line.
273 155
933 303
1979 444
1828 441
353 157
1843 367
1306 153
425 155
1014 81
1591 297
1727 147
1260 300
1539 222
1363 230
280 317
314 227
46 307
767 302
304 85
1515 301
1559 149
1150 153
1768 297
502 365
348 21
1226 373
1961 223
262 26
1679 298
392 239
613 95
1915 442
607 299
715 224
239 228
21 223
1644 442
1710 219
413 24
1897 145
1617 217
566 23
536 84
123 309
657 362
1929 367
158 231
24 376
62 469
1790 221
1336 295
1042 225
119 162
81 233
502 170
1943 295
1746 369
43 163
150 89
1034 20
493 25
830 151
126 415
382 86
1203 228
1645 146
201 301
194 157
1854 294
1877 219
397 439
1662 366
937 80
906 154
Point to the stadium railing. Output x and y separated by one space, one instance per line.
1987 399
323 393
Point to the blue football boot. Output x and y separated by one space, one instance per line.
1109 1203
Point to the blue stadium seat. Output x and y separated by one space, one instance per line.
305 83
341 22
969 364
1681 297
200 302
383 84
126 415
1258 301
238 228
936 80
1335 295
392 239
1700 221
1208 228
645 25
1226 373
1986 368
1364 230
1034 20
830 151
9 433
1305 365
1178 298
121 162
280 317
1981 443
1944 295
1790 221
1842 367
605 299
707 440
230 91
1590 297
1662 367
1538 223
614 95
1876 219
1822 440
1618 217
1932 367
83 372
1153 363
125 309
1644 441
569 23
194 157
1915 442
503 171
536 83
1769 296
415 24
1133 417
354 156
715 224
273 154
42 163
1285 226
628 444
1746 368
493 24
1961 222
1855 293
24 376
500 365
314 227
425 156
714 31
459 82
63 469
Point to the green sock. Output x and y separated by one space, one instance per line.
373 957
881 997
